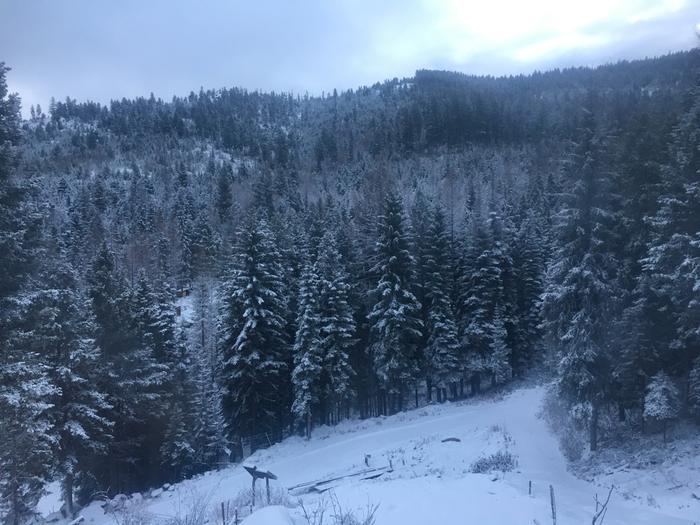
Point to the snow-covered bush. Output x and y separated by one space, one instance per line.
566 423
501 461
661 401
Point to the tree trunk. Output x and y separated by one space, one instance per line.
664 427
68 495
594 428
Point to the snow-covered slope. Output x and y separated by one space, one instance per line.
427 480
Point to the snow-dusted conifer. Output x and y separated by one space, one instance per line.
694 388
443 353
581 282
661 401
64 338
25 389
482 292
396 326
337 326
254 347
308 356
499 356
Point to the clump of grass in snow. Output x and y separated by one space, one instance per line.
501 461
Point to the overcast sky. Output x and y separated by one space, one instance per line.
105 49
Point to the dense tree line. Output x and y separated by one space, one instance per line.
183 282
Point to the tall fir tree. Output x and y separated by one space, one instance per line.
443 353
482 294
579 299
64 337
337 328
396 325
135 384
673 259
529 267
25 388
308 353
254 347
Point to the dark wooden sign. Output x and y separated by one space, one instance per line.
260 474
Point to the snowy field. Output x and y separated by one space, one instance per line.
425 480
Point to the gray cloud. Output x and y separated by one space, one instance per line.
104 50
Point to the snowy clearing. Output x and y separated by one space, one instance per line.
420 478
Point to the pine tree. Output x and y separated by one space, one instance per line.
581 282
499 356
308 356
482 294
443 353
396 325
25 446
211 443
224 199
528 264
646 330
178 447
337 326
184 218
134 386
661 401
154 314
694 388
203 246
673 260
420 217
254 347
25 388
64 338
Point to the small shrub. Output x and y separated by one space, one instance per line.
278 496
192 508
129 515
501 461
567 423
334 514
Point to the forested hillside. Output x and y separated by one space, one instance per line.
183 281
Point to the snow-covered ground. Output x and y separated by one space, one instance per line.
427 480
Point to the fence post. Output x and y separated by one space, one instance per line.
529 488
554 505
223 514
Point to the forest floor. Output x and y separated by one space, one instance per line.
419 479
